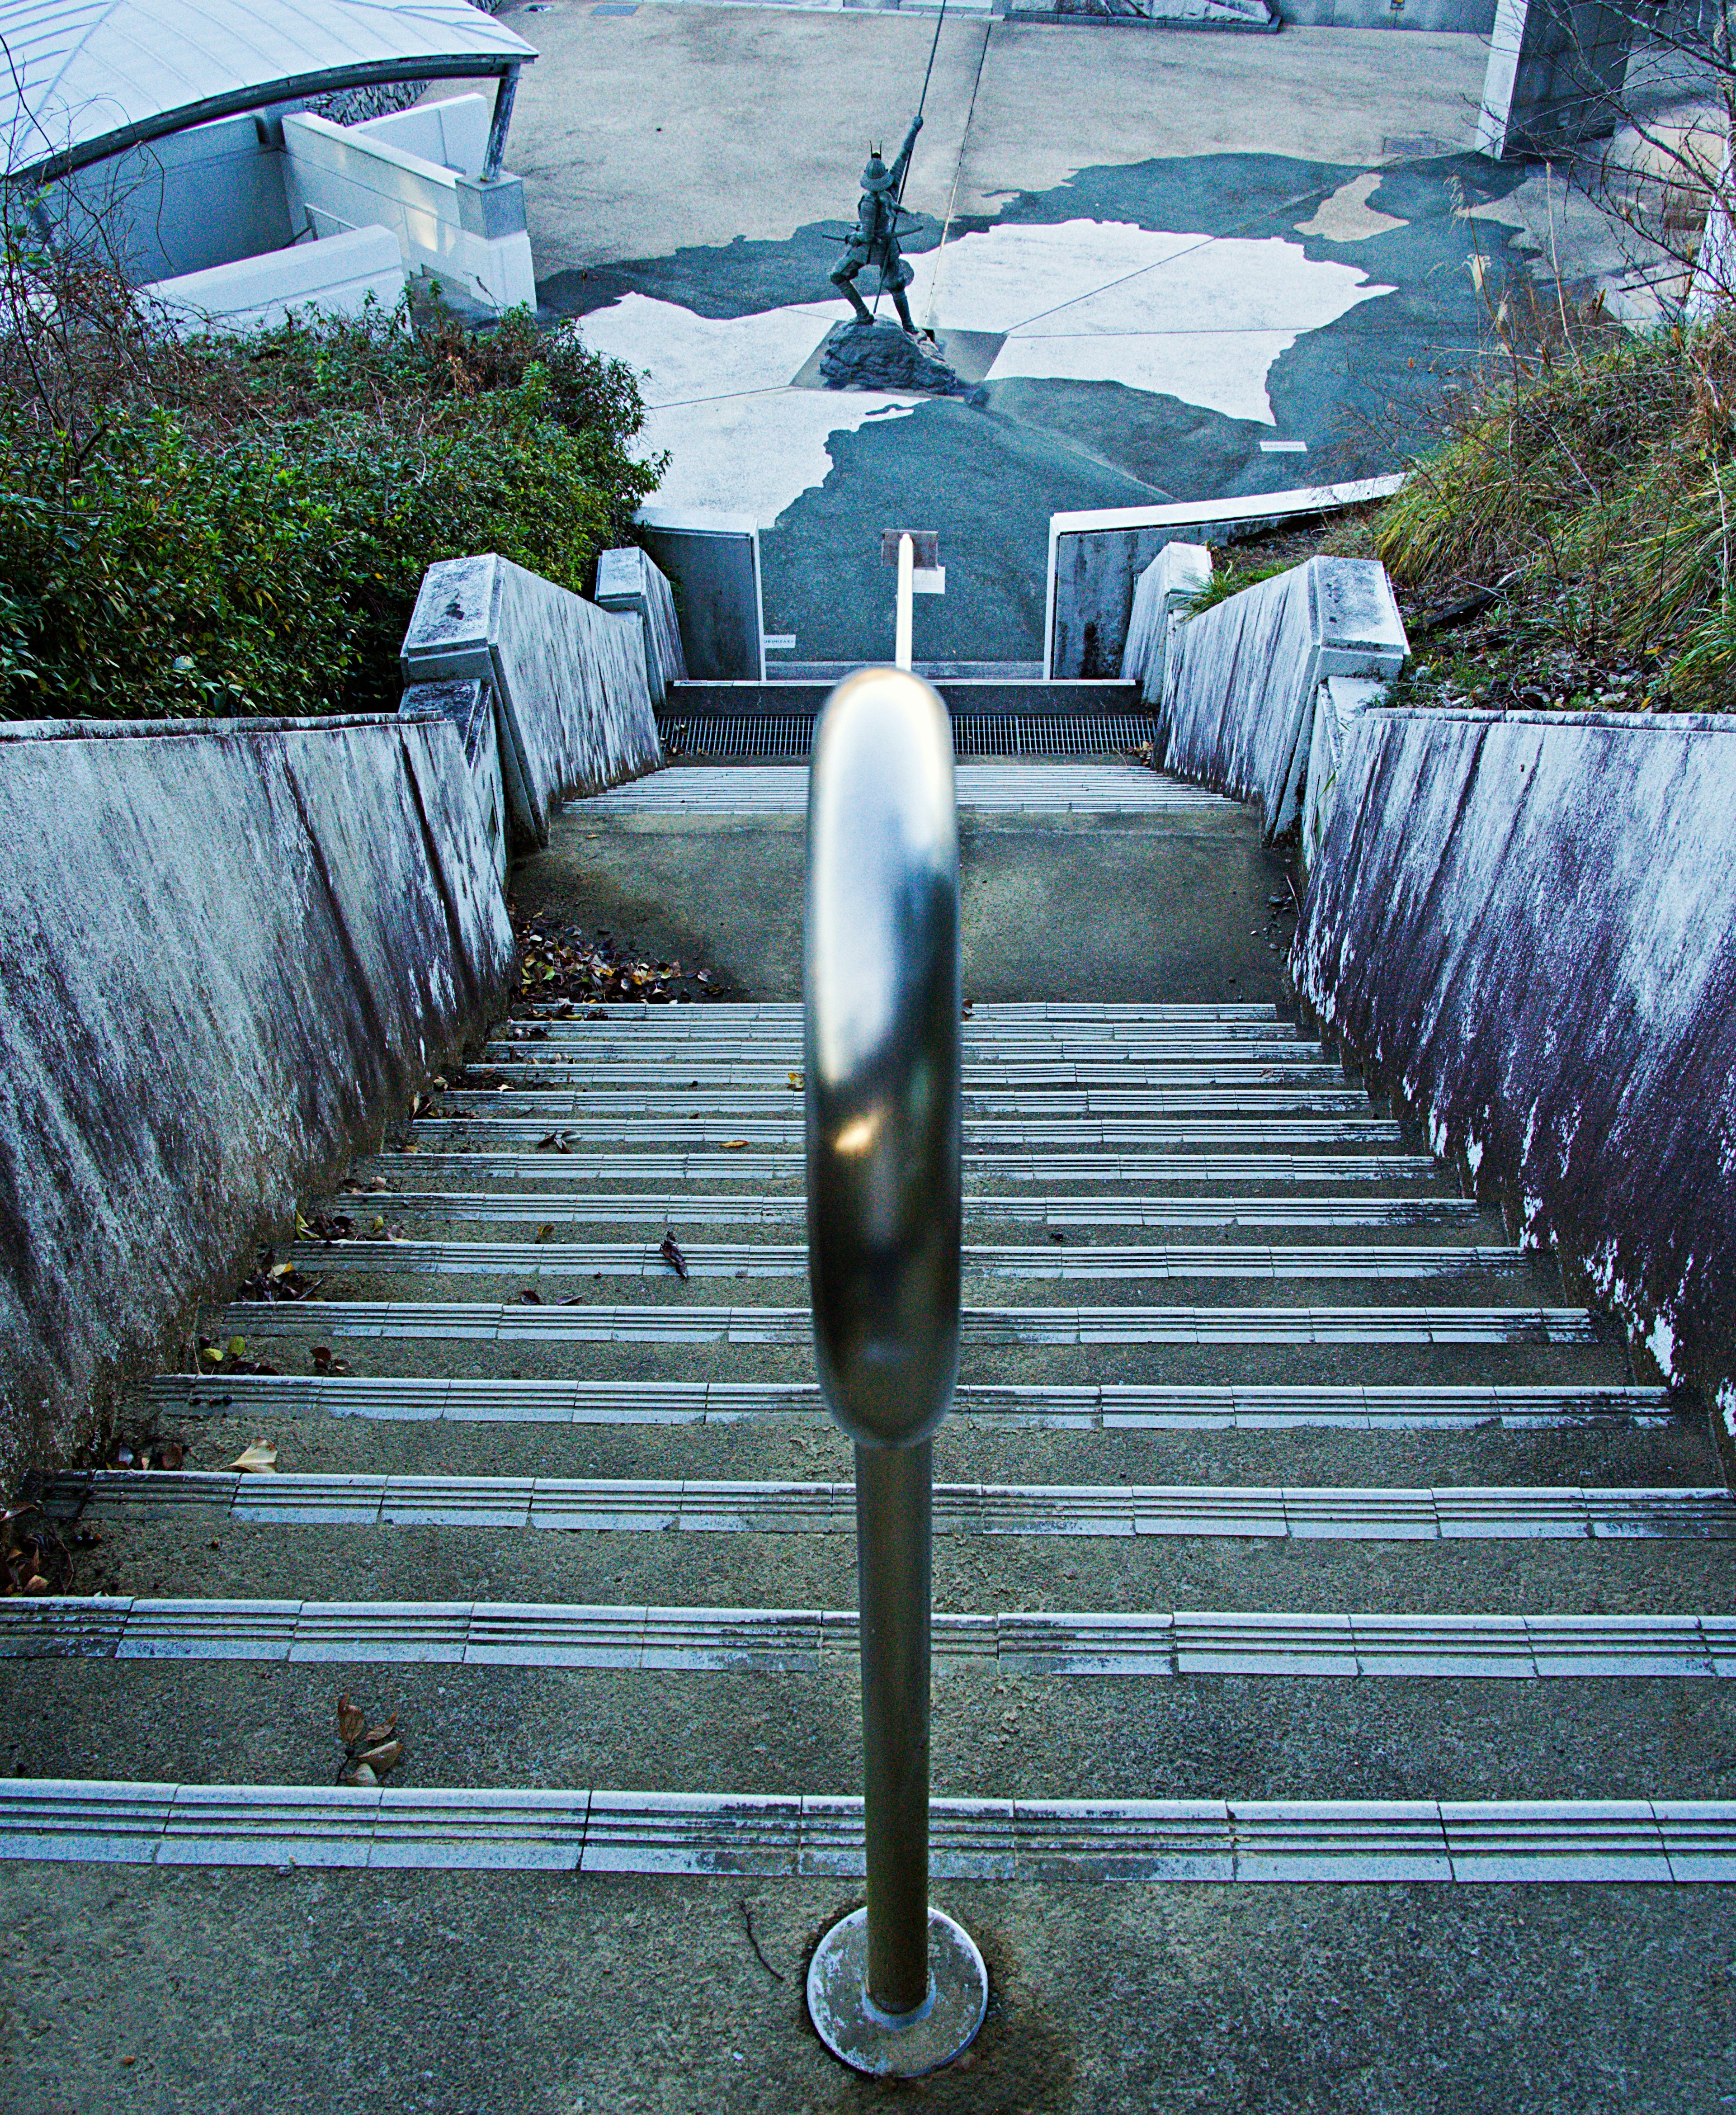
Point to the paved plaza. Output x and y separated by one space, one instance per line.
1174 266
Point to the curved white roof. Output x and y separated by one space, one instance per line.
83 79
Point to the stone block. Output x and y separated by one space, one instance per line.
573 704
627 579
1243 678
1165 589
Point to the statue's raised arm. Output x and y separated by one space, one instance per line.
897 170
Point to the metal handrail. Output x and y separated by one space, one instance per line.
881 1079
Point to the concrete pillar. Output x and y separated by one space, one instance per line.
1554 68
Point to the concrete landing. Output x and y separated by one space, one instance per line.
1102 882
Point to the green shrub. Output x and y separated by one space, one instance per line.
241 525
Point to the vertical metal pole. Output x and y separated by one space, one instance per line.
901 650
896 1989
496 150
894 1575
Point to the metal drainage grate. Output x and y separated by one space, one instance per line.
998 734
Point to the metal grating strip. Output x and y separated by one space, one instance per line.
791 734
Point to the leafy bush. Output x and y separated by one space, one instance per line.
240 526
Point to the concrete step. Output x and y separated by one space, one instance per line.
1088 1407
601 1106
644 1505
694 1322
966 697
534 1260
1076 1217
1152 1643
1062 787
571 1155
782 1130
463 1829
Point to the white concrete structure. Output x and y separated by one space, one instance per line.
173 136
355 271
450 225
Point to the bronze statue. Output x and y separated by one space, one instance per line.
875 241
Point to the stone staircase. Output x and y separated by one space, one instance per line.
1293 1527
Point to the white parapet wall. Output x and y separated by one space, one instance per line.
452 134
345 277
572 697
452 227
1243 679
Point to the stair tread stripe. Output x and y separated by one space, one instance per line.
640 1638
501 1322
710 1506
646 1165
779 1260
98 1821
1090 1407
576 1208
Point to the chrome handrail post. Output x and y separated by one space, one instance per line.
897 1989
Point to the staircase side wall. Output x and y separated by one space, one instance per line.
234 950
569 679
1241 678
1525 925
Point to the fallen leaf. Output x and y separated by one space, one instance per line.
387 1756
546 1231
382 1732
733 1145
170 1454
670 1251
795 1082
350 1720
260 1459
531 1297
359 1773
556 1142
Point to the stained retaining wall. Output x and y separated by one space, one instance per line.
233 951
1525 925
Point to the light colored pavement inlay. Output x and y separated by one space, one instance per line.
1315 1512
633 1640
95 1821
1160 1129
781 1260
781 789
788 1836
483 1321
1108 1407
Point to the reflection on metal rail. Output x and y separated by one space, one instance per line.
896 1989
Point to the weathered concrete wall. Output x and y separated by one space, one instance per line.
627 579
233 950
1241 679
1526 925
1096 559
1178 573
712 562
1555 70
573 704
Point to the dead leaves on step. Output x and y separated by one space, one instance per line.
33 1556
260 1459
569 971
273 1281
229 1358
670 1250
370 1752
